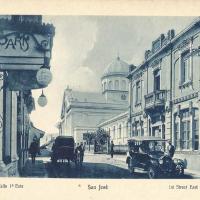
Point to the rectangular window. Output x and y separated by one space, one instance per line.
185 134
157 80
142 129
185 67
196 134
176 132
138 92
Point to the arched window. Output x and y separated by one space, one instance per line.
110 86
123 85
116 85
120 131
104 86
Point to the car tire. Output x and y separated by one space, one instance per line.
180 171
152 173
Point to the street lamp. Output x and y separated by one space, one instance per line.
42 100
44 76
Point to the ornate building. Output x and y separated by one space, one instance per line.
83 111
165 92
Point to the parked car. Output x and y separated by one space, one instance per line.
64 149
148 154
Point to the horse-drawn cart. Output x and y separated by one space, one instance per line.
64 149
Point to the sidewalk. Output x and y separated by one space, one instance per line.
35 170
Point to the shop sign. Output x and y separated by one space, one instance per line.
23 51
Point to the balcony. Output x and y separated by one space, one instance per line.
155 100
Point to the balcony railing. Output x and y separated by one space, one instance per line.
155 99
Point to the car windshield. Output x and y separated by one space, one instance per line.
147 146
156 146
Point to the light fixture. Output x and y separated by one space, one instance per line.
44 76
42 100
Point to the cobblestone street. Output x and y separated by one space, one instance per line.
94 166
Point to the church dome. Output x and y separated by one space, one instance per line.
117 67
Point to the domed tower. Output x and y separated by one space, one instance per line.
114 81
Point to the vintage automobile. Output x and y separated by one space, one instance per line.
148 154
64 149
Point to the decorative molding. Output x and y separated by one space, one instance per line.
138 75
186 84
27 27
184 44
155 63
185 98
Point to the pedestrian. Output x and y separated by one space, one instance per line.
170 149
33 150
80 153
82 150
112 149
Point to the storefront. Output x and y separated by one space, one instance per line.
25 53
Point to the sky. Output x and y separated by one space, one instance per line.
84 46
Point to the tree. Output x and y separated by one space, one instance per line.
89 136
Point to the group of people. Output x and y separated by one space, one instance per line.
80 148
34 149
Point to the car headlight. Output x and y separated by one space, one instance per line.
160 161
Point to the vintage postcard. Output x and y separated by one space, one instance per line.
100 100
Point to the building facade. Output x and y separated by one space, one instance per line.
25 48
165 92
82 112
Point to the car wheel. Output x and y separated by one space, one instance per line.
179 170
152 173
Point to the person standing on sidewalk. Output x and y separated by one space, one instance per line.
112 149
170 149
33 150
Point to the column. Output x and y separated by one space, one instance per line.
191 128
2 165
199 117
191 136
168 123
145 125
14 156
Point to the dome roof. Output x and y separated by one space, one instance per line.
116 67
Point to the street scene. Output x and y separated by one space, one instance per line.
94 166
99 97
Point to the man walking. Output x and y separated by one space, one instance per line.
112 149
33 150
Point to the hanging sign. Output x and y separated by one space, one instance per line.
23 51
